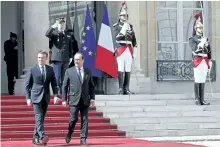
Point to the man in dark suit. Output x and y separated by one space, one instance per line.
61 49
37 88
11 60
78 81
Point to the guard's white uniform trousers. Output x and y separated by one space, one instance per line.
125 61
200 72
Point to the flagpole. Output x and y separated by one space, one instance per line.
106 75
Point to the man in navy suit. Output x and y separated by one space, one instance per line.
37 88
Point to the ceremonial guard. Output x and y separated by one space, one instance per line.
201 54
126 47
61 49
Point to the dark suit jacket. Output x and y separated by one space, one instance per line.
77 90
61 45
36 87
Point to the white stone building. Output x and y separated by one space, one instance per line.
162 30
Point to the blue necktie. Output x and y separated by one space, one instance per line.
43 72
80 75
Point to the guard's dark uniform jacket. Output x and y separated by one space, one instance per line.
11 59
128 39
62 48
194 42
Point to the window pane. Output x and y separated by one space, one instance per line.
169 4
188 22
192 4
167 51
167 25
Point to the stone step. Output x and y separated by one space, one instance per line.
169 126
118 109
170 133
162 114
153 103
183 138
159 120
138 97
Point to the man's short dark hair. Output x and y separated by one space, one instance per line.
43 52
80 53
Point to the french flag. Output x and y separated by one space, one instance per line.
105 59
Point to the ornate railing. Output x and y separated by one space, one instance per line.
177 70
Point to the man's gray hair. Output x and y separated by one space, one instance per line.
80 53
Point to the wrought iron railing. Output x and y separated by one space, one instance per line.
180 70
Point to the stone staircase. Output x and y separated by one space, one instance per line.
163 115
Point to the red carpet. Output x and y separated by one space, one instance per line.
101 142
17 121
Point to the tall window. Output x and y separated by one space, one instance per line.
175 21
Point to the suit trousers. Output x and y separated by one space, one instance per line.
74 110
60 68
40 110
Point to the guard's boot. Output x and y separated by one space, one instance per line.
202 93
120 82
197 94
127 83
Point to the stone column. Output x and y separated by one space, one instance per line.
152 38
143 37
215 40
36 23
133 11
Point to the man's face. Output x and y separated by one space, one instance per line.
13 39
199 29
42 58
123 17
62 26
78 60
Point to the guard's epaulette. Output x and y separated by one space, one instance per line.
115 24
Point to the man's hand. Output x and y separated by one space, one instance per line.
16 47
71 59
56 100
29 102
134 52
64 104
92 103
55 25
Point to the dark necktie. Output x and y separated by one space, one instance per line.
43 72
80 75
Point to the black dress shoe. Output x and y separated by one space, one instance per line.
36 141
68 138
83 142
44 141
205 103
128 92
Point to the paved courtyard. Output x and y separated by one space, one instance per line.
207 143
